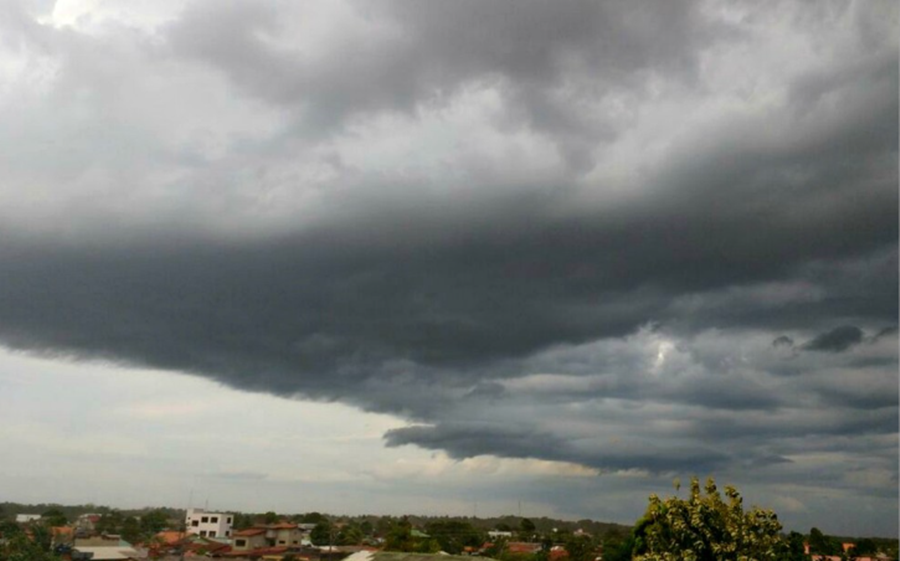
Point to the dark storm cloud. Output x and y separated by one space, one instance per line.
409 53
562 314
464 440
837 340
783 341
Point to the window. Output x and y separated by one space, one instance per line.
281 542
212 533
240 543
205 519
227 533
202 533
229 520
214 519
195 523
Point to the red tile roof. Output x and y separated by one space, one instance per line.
256 552
249 532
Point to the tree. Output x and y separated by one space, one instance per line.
794 550
270 517
313 518
706 528
349 535
526 529
54 517
820 544
454 535
865 546
19 547
580 548
154 521
110 523
321 534
131 530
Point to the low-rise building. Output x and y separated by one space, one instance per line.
208 524
249 539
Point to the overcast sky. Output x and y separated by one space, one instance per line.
450 257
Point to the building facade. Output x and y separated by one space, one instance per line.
208 524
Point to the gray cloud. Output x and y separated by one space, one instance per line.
590 233
837 340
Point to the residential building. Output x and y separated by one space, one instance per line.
25 518
249 539
271 535
208 524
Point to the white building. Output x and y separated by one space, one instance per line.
208 524
23 518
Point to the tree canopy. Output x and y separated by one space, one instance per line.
704 527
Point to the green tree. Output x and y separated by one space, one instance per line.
580 548
526 529
110 523
793 547
242 521
321 534
54 517
707 528
454 535
131 530
313 518
270 517
19 547
820 544
865 546
154 521
350 535
618 548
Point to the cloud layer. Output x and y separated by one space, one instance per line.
642 239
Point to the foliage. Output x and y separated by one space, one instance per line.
350 535
793 548
110 523
54 517
526 529
401 538
618 548
242 521
454 535
18 546
321 534
706 528
820 544
154 521
580 548
131 530
313 518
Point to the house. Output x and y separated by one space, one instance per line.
88 522
523 547
249 539
26 518
282 534
208 524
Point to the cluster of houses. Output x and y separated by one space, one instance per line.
205 534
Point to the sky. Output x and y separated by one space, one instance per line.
450 257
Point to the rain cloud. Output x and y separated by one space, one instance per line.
581 232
